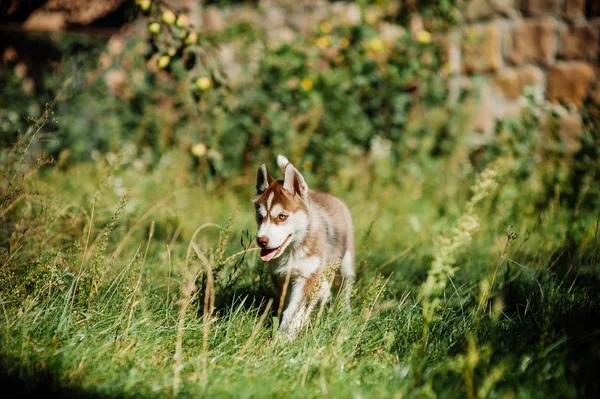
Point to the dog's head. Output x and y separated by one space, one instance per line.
281 209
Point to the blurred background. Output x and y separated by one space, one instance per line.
367 85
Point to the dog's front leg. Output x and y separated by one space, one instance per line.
291 321
321 295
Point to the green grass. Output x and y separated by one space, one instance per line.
104 292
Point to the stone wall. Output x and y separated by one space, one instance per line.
503 46
552 44
57 15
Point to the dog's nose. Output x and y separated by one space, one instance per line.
263 241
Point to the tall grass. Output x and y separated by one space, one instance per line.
150 293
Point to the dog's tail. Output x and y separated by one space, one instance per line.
282 162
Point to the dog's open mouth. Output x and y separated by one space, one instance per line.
266 254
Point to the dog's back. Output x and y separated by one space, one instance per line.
336 227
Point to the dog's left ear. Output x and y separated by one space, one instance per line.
294 182
263 179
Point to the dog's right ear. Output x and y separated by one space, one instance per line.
294 182
263 179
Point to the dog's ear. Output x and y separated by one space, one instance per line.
294 182
282 162
263 179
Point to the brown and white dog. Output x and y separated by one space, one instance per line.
301 232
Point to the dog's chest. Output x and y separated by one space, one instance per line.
297 264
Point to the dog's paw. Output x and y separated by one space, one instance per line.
288 335
289 328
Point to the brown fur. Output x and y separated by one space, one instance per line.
313 244
291 203
337 229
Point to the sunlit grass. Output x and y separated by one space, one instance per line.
118 304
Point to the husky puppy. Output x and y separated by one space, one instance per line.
301 232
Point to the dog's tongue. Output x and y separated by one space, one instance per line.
266 254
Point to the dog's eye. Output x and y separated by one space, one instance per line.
282 217
260 218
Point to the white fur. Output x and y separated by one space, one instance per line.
276 210
298 265
282 162
277 233
299 307
292 318
347 270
